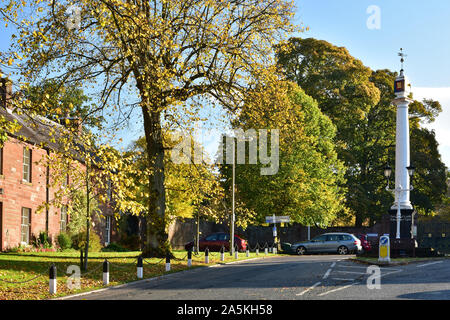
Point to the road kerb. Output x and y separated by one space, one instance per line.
153 278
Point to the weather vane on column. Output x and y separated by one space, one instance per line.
402 55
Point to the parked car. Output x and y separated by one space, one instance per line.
342 243
365 242
215 241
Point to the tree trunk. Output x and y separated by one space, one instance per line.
88 222
156 242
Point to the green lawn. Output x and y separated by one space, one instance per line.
17 267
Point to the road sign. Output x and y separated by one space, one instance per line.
384 249
278 219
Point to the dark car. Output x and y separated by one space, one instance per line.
365 243
215 241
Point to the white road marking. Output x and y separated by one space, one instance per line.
428 264
337 289
385 274
354 272
309 289
359 267
333 264
327 274
342 279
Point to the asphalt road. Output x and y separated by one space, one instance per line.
316 277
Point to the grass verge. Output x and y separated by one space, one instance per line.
21 267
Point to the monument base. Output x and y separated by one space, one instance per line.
406 245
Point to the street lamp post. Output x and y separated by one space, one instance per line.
232 205
403 168
398 191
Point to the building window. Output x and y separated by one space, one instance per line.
25 226
27 164
63 220
109 190
108 230
65 182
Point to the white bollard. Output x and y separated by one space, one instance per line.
206 255
52 279
247 253
167 263
189 262
105 272
140 269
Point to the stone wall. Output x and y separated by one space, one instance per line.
181 232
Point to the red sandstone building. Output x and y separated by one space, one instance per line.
24 186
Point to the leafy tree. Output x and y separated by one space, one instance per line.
444 209
359 102
81 171
188 185
77 211
306 186
165 53
62 102
430 178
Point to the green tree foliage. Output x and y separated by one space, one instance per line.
189 186
54 100
164 54
359 102
430 180
77 211
306 186
444 209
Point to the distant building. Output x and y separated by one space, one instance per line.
24 184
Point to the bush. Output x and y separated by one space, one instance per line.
42 241
79 241
114 247
64 241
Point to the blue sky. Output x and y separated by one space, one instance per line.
422 28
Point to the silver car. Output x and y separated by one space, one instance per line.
342 243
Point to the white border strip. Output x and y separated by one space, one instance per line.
428 264
309 289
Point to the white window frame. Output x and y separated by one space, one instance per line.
61 220
28 226
26 164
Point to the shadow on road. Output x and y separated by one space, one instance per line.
429 295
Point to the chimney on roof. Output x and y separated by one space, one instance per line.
73 123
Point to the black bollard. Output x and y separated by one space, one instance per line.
140 271
168 262
206 255
105 272
52 279
189 262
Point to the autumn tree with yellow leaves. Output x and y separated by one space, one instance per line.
169 55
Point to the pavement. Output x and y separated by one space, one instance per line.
314 277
